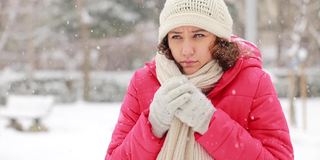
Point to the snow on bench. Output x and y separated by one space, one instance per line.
33 107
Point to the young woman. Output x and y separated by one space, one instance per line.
204 96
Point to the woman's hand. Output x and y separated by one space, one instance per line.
171 95
197 112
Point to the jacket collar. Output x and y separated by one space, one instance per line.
151 67
250 56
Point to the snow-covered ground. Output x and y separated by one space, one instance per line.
82 131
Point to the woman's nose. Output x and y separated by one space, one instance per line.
187 48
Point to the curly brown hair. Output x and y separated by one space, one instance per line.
226 53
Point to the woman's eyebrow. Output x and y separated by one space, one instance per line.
174 32
195 31
199 30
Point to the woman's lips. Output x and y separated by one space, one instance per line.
188 63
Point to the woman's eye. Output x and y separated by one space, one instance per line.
198 35
175 37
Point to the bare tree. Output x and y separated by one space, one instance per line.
296 37
84 39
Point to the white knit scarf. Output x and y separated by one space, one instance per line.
180 143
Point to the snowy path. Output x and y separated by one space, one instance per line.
82 131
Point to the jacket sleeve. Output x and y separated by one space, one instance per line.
132 137
266 138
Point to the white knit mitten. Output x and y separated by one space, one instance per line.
197 112
167 99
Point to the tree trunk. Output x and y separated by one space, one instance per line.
303 94
279 38
84 38
251 21
30 53
291 95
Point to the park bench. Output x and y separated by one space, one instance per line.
27 107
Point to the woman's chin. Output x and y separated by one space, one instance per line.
189 71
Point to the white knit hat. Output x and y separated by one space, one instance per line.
210 15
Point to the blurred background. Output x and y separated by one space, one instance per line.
68 48
86 50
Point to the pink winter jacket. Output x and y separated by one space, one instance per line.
248 124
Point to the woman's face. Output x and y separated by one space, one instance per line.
190 47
